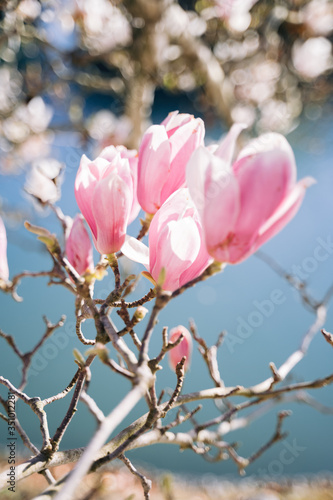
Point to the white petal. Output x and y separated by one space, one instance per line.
136 250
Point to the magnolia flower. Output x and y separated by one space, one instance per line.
243 205
104 193
163 154
184 348
176 251
4 271
78 247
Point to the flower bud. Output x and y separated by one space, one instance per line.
184 348
78 247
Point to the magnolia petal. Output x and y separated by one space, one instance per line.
85 183
136 250
270 142
78 247
226 148
132 157
183 142
215 192
201 263
196 169
153 167
109 153
174 120
184 348
111 204
264 181
177 247
177 205
286 211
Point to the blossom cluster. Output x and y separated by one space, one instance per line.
202 203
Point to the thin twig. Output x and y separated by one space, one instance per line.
72 407
146 483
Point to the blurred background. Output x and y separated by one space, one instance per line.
76 76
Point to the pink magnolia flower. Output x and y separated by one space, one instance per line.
4 271
184 348
176 247
78 247
243 205
163 154
104 193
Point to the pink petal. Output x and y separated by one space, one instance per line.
132 156
176 205
202 261
78 247
111 204
85 183
184 141
270 142
109 153
153 167
174 120
182 349
215 192
285 212
264 181
177 247
226 148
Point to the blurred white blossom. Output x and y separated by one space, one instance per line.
104 25
29 9
10 88
43 180
318 17
107 129
33 117
236 13
313 57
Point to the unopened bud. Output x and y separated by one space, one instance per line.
140 313
184 348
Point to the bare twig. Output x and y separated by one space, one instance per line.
92 406
107 426
146 483
72 407
327 336
63 393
